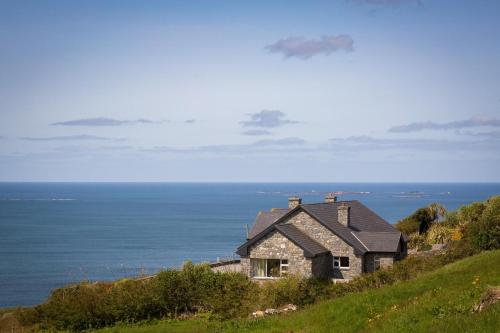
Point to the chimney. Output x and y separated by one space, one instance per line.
344 214
330 198
294 202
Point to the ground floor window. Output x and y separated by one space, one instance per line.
269 268
376 262
341 262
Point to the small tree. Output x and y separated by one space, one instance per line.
436 211
408 226
424 218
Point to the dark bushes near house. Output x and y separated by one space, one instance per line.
172 292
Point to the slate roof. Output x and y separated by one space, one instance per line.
265 219
380 241
310 246
367 232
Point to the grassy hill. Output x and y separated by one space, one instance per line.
439 301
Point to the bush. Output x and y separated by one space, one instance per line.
293 289
438 234
419 222
172 292
408 226
232 295
417 241
484 234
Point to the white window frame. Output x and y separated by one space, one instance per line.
336 263
283 272
282 265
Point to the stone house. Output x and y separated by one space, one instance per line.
334 239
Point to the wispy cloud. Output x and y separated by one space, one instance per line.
257 132
304 49
190 121
486 135
367 143
267 119
80 137
102 121
262 146
387 3
430 125
348 145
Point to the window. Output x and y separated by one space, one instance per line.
341 262
284 267
376 263
269 268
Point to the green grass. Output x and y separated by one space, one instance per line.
438 301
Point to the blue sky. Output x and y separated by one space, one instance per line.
306 91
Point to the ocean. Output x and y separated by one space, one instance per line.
52 234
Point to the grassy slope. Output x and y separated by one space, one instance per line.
439 301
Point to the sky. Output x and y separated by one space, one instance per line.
250 91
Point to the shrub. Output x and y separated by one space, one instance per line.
408 226
419 222
438 234
293 289
484 234
417 241
232 295
172 292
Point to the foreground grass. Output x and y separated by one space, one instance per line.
439 301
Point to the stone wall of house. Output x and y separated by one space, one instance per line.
386 260
332 242
276 246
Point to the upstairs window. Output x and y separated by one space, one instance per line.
341 262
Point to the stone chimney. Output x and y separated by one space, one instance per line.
344 214
294 202
330 198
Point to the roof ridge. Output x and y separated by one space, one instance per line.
326 203
396 231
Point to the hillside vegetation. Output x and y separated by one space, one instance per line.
439 301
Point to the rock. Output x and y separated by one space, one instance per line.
258 314
269 312
288 308
491 296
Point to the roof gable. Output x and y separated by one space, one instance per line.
310 247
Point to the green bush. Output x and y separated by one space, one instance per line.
408 226
172 292
293 289
484 234
419 222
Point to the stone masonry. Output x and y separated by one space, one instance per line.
329 240
276 246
